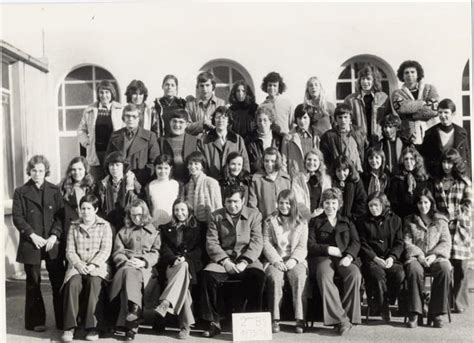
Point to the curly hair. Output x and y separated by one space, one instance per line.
249 96
267 110
343 162
67 184
146 216
391 119
370 70
38 159
231 190
273 77
459 166
136 86
419 171
410 64
320 100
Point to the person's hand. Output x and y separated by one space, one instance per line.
291 263
389 263
37 240
136 263
317 212
230 267
179 260
241 266
90 268
334 251
50 242
430 259
130 180
345 261
422 261
380 261
82 268
280 265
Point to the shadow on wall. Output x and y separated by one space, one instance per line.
12 268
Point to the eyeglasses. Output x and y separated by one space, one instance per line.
130 116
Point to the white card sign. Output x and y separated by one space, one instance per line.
255 326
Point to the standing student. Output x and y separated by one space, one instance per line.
333 247
285 238
36 210
391 143
137 94
135 253
89 245
274 86
98 122
415 102
204 105
243 107
316 105
453 195
443 136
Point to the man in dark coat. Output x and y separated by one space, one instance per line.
139 146
36 208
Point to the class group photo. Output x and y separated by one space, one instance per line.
169 165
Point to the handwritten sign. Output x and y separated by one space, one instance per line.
251 326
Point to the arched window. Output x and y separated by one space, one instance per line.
76 92
346 82
227 72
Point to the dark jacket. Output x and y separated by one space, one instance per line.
180 172
403 202
354 204
255 148
346 236
141 154
34 215
382 237
243 118
432 150
191 247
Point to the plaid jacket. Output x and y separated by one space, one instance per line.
91 246
456 205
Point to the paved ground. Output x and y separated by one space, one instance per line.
460 330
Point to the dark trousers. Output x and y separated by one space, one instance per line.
86 288
337 309
383 284
439 288
460 284
252 290
34 305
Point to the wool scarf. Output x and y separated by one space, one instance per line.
410 180
374 183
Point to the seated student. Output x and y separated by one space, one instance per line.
369 103
89 245
274 86
263 137
344 139
444 136
381 240
234 243
201 108
36 211
285 238
182 258
136 251
243 106
178 144
374 177
116 190
333 247
299 141
202 191
453 195
268 183
218 142
427 247
309 185
347 180
415 102
391 142
139 146
411 178
162 191
235 174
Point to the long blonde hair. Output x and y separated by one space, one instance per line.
320 102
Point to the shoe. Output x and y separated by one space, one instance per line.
436 320
300 325
413 321
133 312
213 330
159 325
184 333
68 335
275 326
342 328
459 310
130 335
162 308
39 328
92 335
